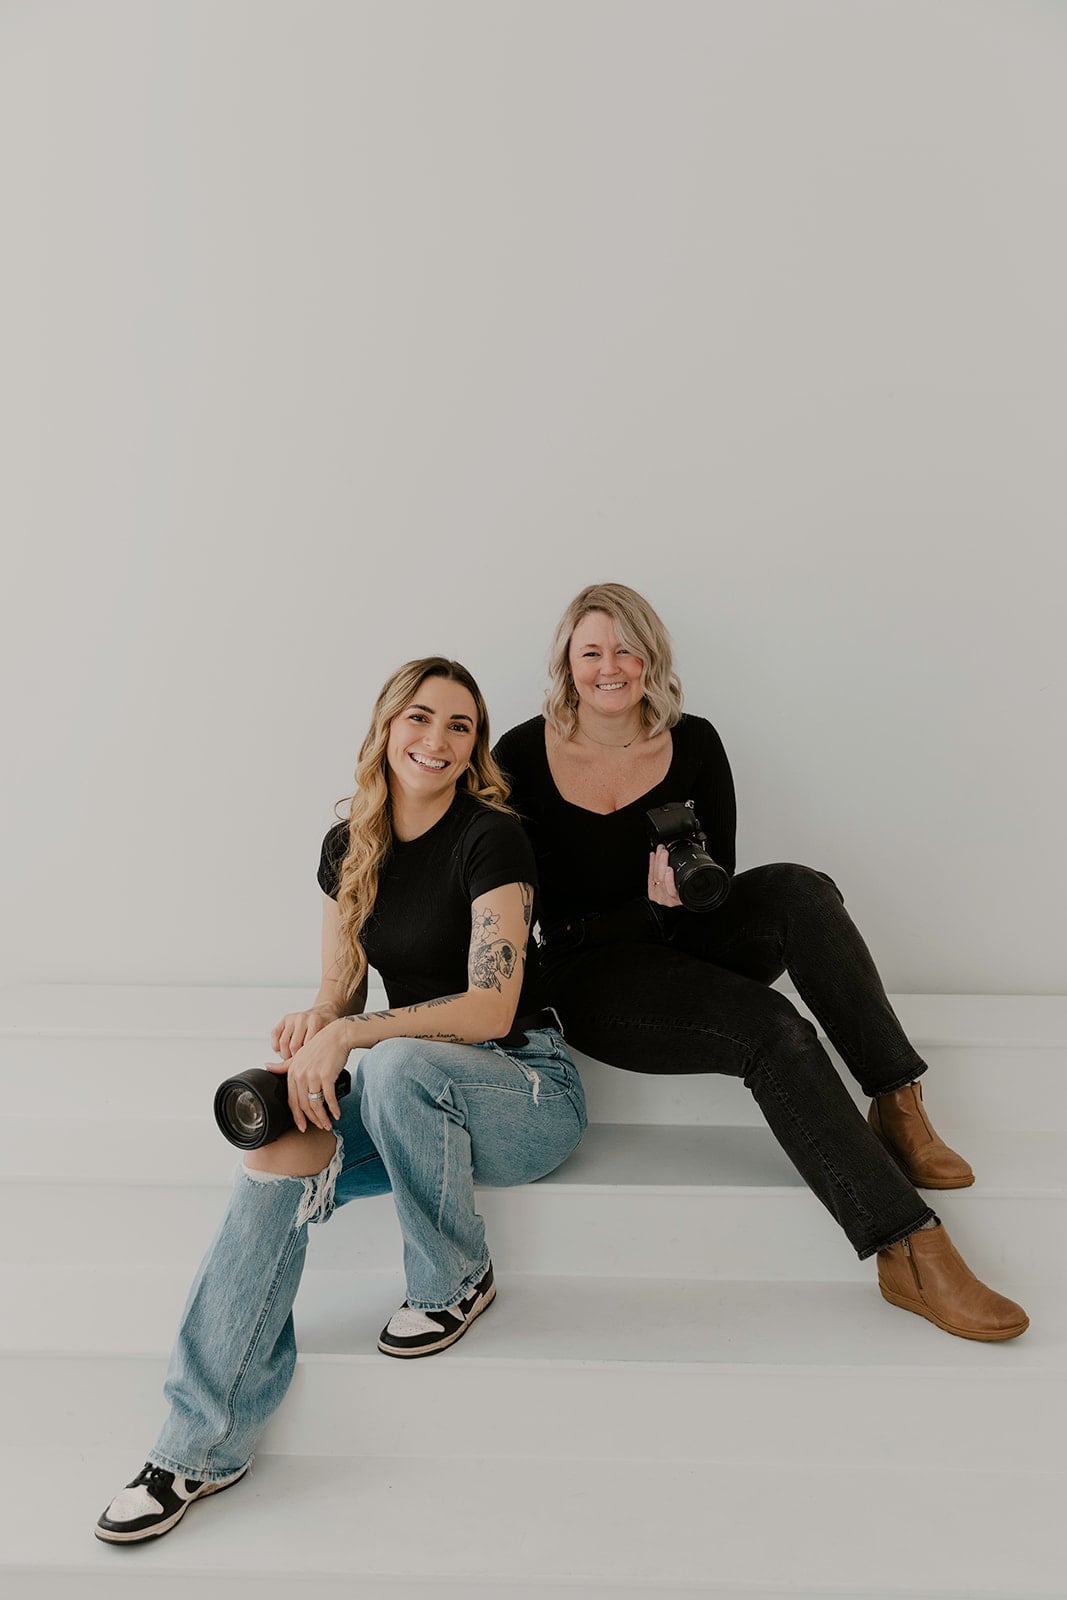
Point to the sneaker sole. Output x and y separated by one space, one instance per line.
172 1522
997 1336
441 1344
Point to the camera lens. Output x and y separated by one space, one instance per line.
253 1108
703 888
701 883
244 1111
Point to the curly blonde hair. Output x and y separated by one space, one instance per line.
370 824
640 630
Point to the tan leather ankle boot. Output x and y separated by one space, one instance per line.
925 1273
899 1120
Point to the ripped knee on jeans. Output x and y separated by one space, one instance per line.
317 1202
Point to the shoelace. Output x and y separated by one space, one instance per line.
151 1475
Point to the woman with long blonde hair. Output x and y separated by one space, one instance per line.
464 1077
657 981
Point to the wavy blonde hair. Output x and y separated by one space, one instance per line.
370 822
640 630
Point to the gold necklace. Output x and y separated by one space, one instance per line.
605 743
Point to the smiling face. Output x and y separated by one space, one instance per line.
607 676
431 740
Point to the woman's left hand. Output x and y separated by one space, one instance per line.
314 1070
661 888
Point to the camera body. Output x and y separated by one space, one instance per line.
701 883
252 1108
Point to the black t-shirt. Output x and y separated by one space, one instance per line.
418 936
588 863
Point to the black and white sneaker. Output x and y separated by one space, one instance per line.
153 1503
421 1333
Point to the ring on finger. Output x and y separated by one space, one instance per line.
313 1096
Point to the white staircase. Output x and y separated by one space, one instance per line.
687 1384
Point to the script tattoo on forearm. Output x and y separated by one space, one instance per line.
428 1005
491 958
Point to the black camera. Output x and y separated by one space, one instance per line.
701 883
253 1108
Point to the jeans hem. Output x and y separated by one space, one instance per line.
201 1475
469 1283
909 1077
901 1233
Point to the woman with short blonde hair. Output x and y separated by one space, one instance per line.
640 630
660 959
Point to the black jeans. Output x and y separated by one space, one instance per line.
688 993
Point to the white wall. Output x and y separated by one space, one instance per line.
338 333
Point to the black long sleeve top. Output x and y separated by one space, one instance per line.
590 863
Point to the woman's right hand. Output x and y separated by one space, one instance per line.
297 1027
661 888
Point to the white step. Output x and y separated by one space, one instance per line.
559 1411
687 1384
994 1062
603 1357
190 1151
387 1525
599 1225
741 1324
1016 1088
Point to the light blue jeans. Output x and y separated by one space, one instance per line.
423 1119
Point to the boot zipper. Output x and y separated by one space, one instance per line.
914 1269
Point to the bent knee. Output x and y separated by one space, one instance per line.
786 1033
391 1055
294 1155
802 885
393 1065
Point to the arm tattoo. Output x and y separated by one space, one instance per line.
527 903
420 1005
426 1005
490 959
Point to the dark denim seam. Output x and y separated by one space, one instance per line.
850 1056
827 1165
